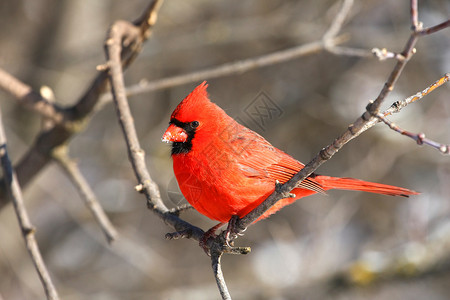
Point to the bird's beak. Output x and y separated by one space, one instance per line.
174 134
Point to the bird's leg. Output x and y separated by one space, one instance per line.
230 228
207 235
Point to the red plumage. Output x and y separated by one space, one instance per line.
225 169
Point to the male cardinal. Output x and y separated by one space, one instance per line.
226 170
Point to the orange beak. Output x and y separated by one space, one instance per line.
174 134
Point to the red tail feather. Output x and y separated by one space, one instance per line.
346 183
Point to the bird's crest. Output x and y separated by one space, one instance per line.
196 101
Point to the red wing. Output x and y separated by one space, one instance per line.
258 158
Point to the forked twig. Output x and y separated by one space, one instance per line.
367 120
418 137
71 120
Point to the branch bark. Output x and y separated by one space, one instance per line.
87 194
71 120
367 120
121 31
28 230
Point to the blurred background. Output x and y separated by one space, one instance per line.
346 245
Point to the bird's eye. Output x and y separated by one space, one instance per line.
194 124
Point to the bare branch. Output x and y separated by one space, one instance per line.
28 230
87 194
418 137
414 15
120 31
30 99
383 54
433 29
239 67
220 280
39 154
396 106
337 23
367 120
346 51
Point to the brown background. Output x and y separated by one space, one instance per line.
59 44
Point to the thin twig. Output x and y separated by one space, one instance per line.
367 120
220 280
383 54
237 67
433 29
418 137
113 46
337 23
28 230
25 95
326 153
347 51
407 53
396 106
75 117
414 15
87 194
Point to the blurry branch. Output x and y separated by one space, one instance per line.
367 120
406 54
120 31
430 30
237 67
28 231
71 120
30 99
336 24
418 137
383 54
70 167
335 28
328 42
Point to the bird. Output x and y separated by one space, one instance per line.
225 170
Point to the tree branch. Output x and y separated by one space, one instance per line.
75 117
87 194
28 230
419 137
220 280
121 31
25 95
367 120
237 67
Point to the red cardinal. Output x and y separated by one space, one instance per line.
225 169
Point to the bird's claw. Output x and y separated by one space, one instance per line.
229 237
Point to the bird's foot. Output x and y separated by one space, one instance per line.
229 237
